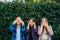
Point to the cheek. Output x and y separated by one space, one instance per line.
43 22
31 22
46 22
18 21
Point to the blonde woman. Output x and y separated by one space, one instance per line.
18 28
44 30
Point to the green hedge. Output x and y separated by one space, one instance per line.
9 11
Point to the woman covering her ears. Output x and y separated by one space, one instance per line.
31 30
44 30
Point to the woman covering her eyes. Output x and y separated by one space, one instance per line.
18 28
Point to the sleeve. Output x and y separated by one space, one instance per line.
36 29
27 30
11 27
23 27
39 32
50 31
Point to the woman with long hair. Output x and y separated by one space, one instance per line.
31 30
44 30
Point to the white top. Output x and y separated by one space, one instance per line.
18 34
44 35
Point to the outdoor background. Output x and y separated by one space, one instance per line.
10 9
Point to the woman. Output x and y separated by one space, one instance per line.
31 30
17 28
44 30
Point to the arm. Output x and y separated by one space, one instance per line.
27 29
35 30
50 31
23 27
49 28
12 27
39 30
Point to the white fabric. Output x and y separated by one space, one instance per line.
18 34
44 35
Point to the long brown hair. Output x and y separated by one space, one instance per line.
43 26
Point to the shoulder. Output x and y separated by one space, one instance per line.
12 24
38 27
23 24
50 26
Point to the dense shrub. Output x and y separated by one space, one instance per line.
9 11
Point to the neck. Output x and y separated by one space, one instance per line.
31 25
18 26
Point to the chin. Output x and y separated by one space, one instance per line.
18 23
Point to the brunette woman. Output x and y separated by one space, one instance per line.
45 30
31 30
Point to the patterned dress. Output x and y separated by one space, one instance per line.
44 35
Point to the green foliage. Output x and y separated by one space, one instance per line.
9 11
